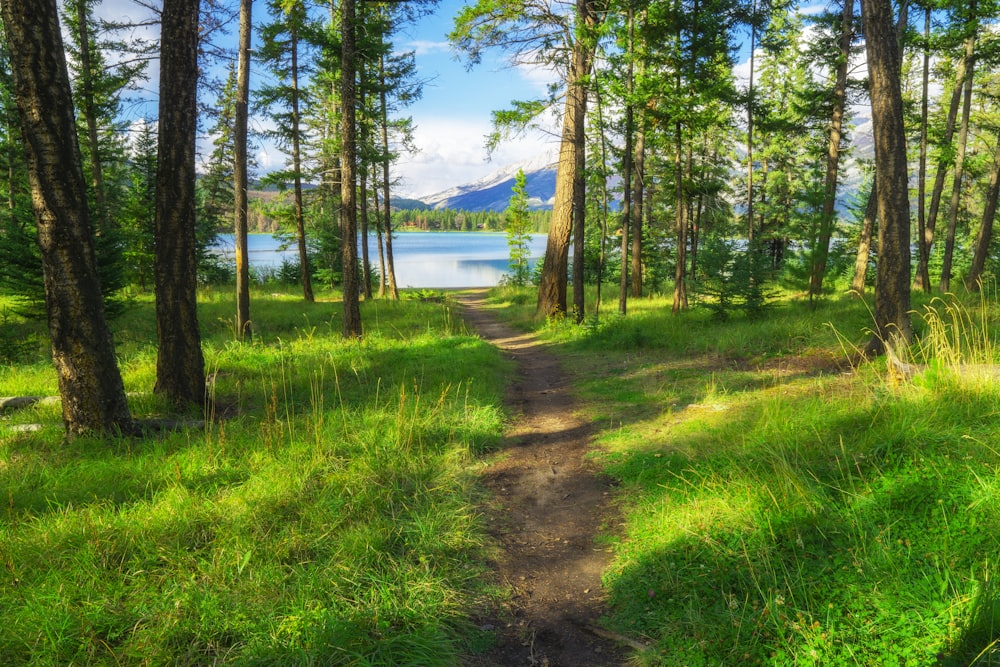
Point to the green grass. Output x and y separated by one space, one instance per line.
777 505
780 507
328 515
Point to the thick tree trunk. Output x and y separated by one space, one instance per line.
180 365
892 287
93 396
552 286
244 330
348 178
829 214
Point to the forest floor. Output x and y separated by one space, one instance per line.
549 506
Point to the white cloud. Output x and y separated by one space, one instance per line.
452 152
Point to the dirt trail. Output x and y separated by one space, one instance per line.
549 505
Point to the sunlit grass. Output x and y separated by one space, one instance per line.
784 507
326 514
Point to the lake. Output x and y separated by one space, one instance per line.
422 259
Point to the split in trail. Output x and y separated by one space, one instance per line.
548 505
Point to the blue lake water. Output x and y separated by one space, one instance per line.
422 259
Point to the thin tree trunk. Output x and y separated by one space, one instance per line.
580 221
90 114
244 330
985 234
180 364
382 280
865 243
300 222
829 214
638 164
83 352
750 128
366 267
942 171
923 280
892 287
348 179
956 188
386 203
680 273
626 213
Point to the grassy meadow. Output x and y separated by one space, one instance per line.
778 504
781 506
327 514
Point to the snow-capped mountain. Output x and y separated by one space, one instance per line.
493 192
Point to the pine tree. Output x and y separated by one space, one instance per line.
518 232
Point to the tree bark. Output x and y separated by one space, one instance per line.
963 141
829 213
892 287
180 365
580 218
390 266
680 270
552 286
244 330
923 280
300 223
936 192
638 165
90 384
348 177
985 234
90 113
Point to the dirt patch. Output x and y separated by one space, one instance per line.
549 504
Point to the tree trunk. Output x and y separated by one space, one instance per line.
348 178
387 208
626 213
366 267
180 365
985 234
638 164
829 214
956 187
892 287
552 286
680 271
244 330
300 223
923 280
865 243
750 100
580 219
83 352
949 132
90 114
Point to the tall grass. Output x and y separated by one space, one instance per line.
783 508
326 515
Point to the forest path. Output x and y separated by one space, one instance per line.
548 504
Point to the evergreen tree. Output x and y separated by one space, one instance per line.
518 233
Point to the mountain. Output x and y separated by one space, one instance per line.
493 192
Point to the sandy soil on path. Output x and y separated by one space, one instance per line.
548 505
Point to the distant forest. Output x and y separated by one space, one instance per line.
270 211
